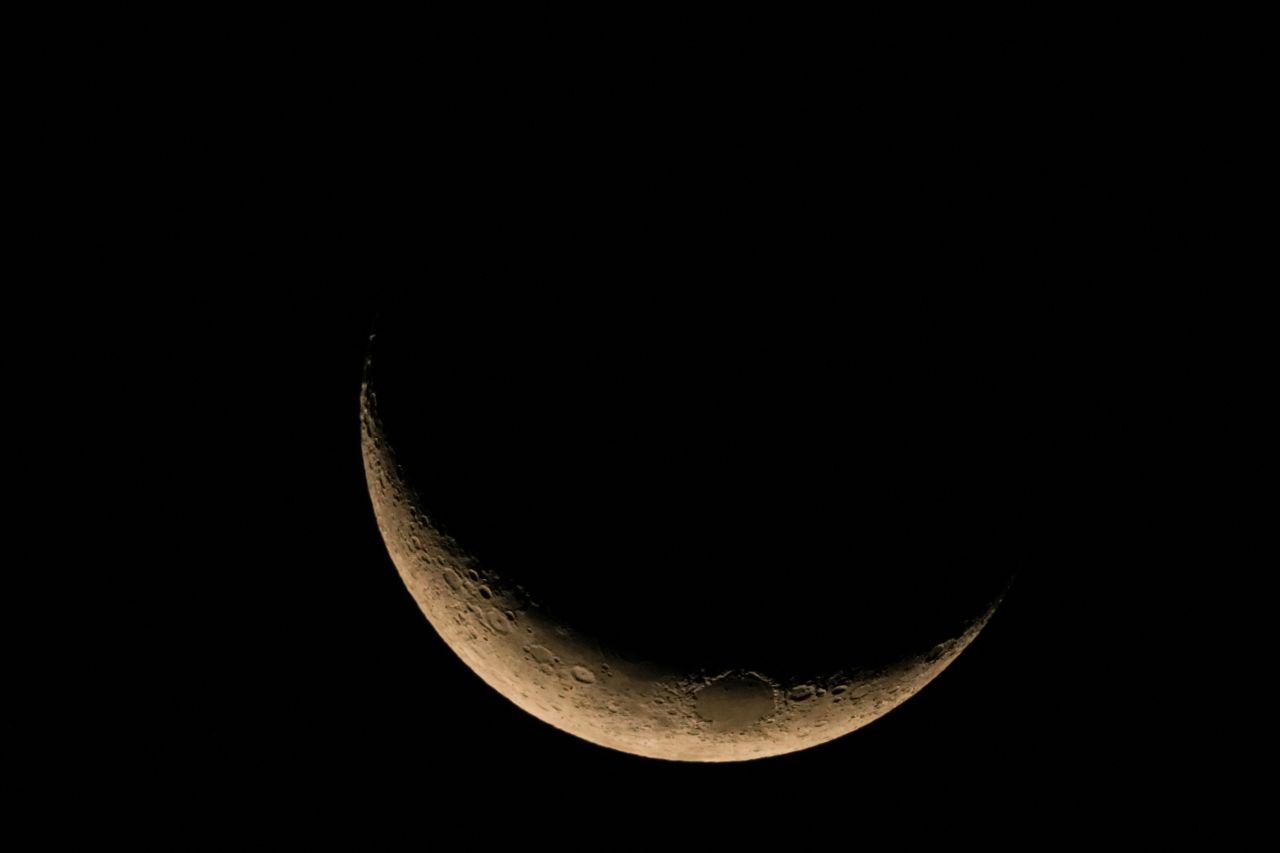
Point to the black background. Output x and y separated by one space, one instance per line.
273 666
321 681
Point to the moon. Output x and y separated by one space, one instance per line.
742 702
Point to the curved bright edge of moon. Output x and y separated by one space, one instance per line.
567 680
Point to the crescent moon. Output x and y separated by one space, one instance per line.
561 676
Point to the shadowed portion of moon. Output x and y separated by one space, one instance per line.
686 545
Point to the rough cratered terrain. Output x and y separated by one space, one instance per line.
663 569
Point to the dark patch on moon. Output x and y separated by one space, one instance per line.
735 702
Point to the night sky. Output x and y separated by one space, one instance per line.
329 681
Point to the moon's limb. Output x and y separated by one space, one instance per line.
569 681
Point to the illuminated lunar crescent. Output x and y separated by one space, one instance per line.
554 670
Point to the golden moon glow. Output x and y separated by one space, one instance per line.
564 678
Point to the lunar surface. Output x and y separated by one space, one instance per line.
655 584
